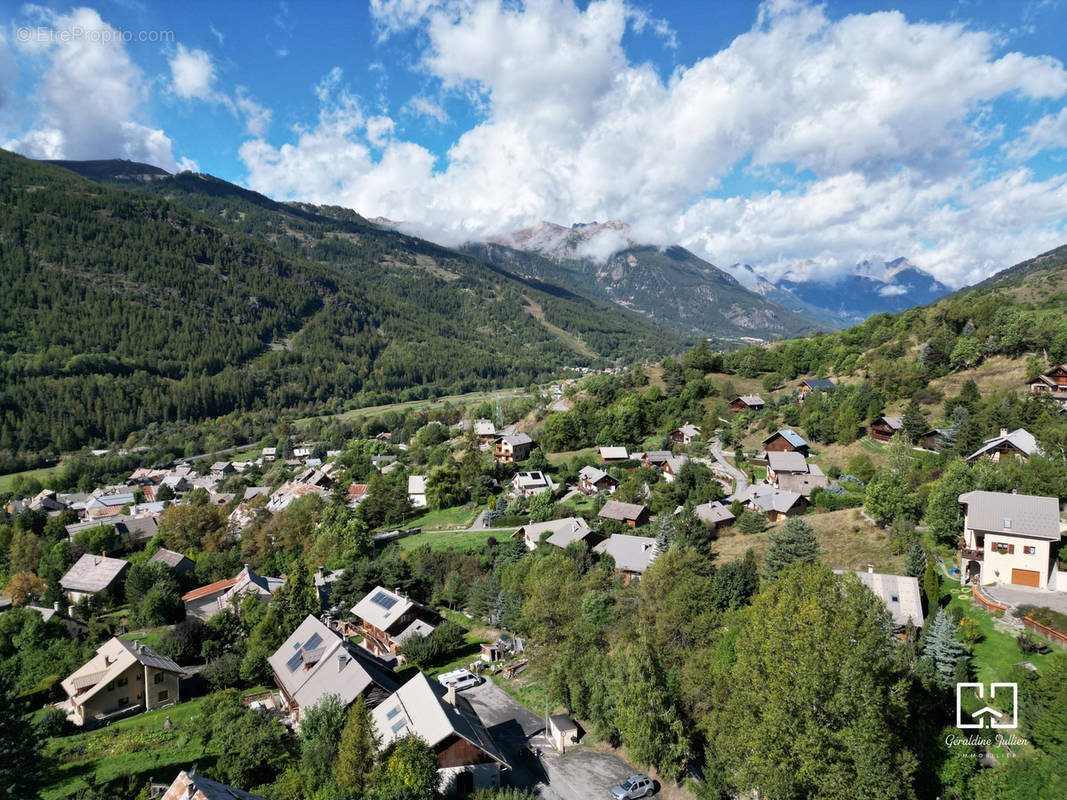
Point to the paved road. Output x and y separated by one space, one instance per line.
1022 596
715 448
579 774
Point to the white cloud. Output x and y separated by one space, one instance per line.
887 115
8 71
89 97
257 118
425 107
1048 133
192 74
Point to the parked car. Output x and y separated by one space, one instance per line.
463 678
633 787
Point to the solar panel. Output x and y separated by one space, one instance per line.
294 663
313 642
384 600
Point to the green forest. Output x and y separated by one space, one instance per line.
122 310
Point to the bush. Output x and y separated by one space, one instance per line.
53 722
1027 643
751 522
224 672
1046 616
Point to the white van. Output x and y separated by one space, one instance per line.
463 678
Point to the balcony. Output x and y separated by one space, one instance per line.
972 555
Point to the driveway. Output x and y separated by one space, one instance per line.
1022 596
715 448
579 774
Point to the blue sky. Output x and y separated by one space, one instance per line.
797 137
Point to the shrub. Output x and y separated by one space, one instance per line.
751 522
224 672
53 722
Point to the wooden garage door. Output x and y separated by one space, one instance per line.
1026 577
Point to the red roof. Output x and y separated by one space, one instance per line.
211 588
358 490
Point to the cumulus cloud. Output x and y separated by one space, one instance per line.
257 117
192 74
1048 133
880 119
425 107
90 96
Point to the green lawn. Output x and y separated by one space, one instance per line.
147 636
7 480
455 517
137 747
580 503
556 459
470 398
994 656
451 540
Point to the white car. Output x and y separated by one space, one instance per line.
463 678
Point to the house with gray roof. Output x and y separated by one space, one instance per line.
777 504
122 678
632 554
1010 538
190 786
747 402
384 616
528 484
686 433
633 514
610 454
468 755
92 574
899 593
592 480
178 564
562 532
314 662
713 513
1020 444
512 447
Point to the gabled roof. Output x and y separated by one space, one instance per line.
896 423
749 400
256 491
168 557
789 435
656 456
819 383
244 580
92 573
190 786
416 484
382 608
1013 514
689 429
113 658
314 662
767 498
531 479
899 593
613 453
787 461
484 427
418 708
515 439
631 553
613 509
564 531
1019 439
111 500
714 512
594 475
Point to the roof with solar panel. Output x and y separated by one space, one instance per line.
382 608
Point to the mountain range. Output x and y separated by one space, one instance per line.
677 288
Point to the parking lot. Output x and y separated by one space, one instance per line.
579 774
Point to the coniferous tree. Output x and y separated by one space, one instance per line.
943 649
795 541
914 424
915 562
20 758
358 749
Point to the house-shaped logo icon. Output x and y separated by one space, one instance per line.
987 716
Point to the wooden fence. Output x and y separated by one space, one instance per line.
1053 636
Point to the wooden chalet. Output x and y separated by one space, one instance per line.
785 441
885 428
387 618
512 447
633 514
1053 384
747 402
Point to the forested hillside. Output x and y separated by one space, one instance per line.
121 310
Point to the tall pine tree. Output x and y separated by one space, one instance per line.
795 541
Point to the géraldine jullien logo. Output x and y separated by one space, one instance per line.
1004 717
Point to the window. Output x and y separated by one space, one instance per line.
1029 549
164 695
121 681
125 701
160 677
1002 547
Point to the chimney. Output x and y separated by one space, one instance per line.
870 568
55 606
451 696
342 661
1003 432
